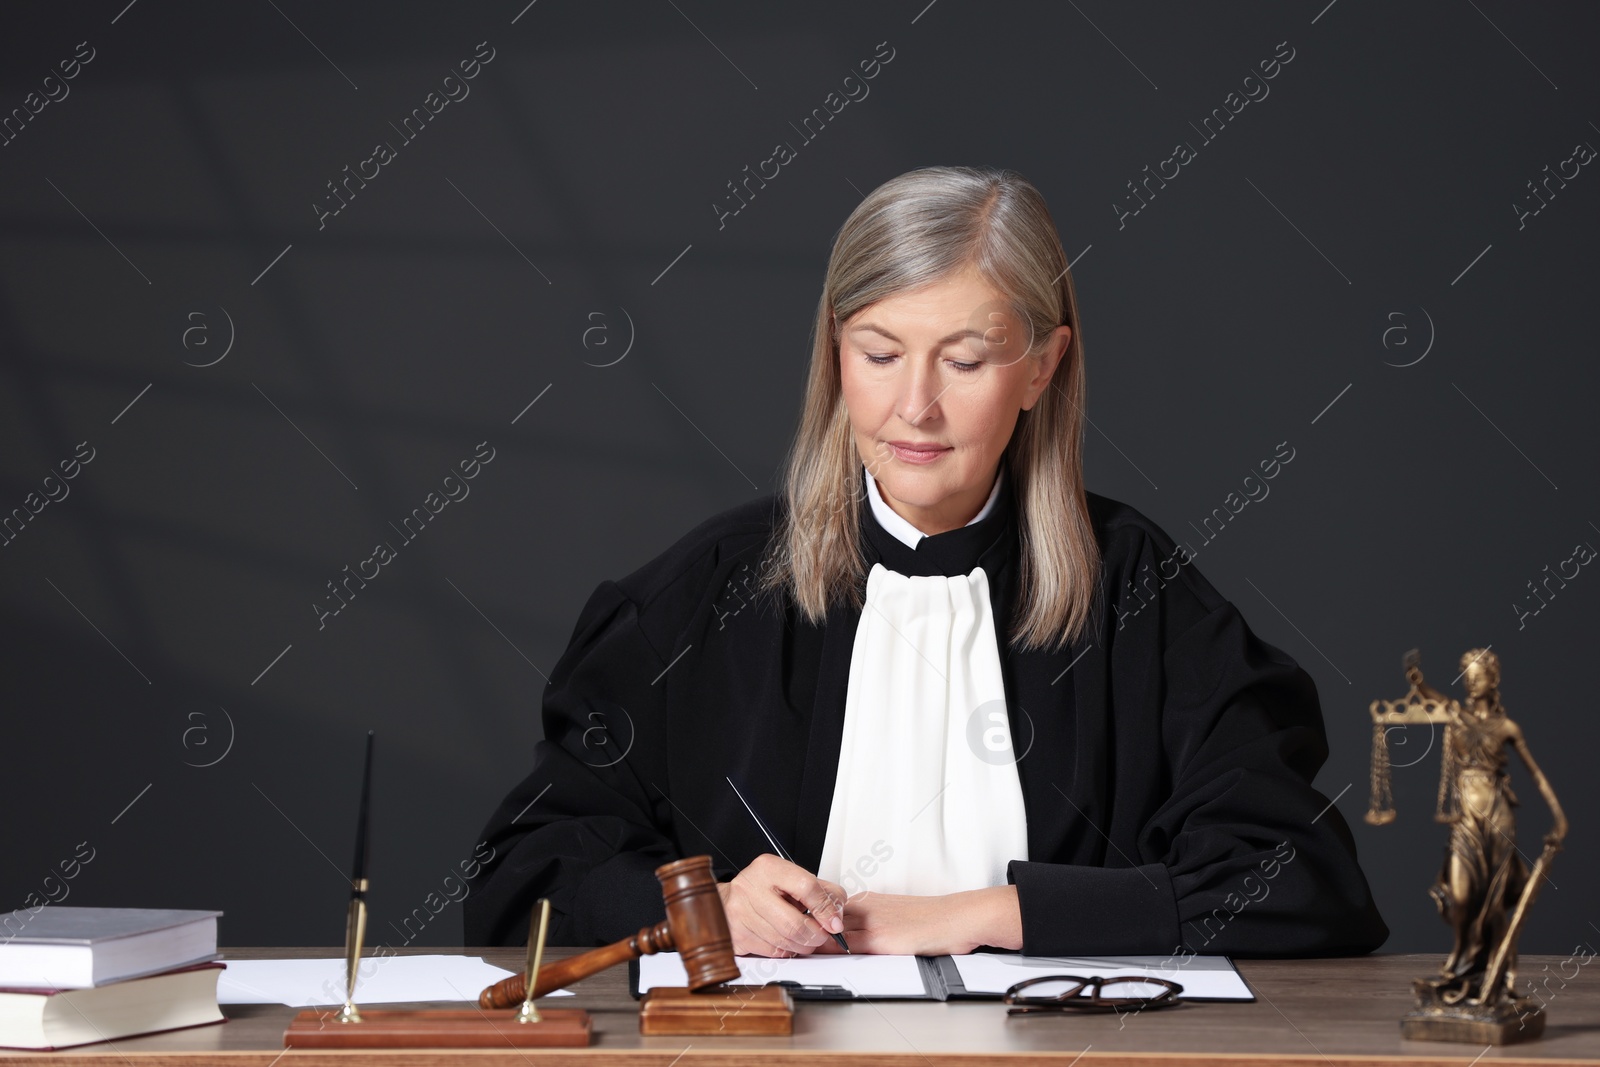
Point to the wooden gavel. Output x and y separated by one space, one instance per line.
695 926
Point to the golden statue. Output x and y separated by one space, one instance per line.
1484 887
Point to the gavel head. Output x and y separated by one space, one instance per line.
698 925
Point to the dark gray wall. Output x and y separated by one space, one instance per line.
1342 267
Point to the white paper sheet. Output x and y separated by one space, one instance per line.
867 976
1200 976
382 980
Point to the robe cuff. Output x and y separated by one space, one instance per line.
1073 910
617 898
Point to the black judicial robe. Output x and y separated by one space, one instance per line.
1166 757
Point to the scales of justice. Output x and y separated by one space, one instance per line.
1484 887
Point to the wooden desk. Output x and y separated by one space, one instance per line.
1309 1013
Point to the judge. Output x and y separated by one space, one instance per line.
979 705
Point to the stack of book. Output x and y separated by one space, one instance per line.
73 976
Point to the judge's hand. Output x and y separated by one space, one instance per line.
954 924
766 904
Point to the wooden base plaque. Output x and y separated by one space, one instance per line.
475 1028
718 1010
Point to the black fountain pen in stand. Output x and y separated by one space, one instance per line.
783 853
356 921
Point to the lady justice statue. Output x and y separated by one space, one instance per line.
1484 887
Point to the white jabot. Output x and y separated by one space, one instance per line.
892 521
927 799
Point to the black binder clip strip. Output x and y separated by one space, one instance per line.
814 992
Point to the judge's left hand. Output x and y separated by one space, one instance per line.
954 924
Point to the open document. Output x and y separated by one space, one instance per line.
981 974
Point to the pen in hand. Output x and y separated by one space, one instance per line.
782 852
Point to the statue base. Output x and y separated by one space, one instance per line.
1506 1021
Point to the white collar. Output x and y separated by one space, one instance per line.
892 521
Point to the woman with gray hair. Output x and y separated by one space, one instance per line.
979 704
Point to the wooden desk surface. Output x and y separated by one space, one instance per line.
1308 1013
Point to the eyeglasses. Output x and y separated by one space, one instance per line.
1063 993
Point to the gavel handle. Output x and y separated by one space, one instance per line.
509 992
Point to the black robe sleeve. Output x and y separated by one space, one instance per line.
1235 852
585 827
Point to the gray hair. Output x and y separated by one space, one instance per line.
922 227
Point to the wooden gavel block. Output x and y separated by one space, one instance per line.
729 1009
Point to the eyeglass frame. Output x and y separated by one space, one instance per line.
1071 1001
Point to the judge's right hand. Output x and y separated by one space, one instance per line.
766 905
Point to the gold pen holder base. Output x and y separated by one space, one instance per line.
720 1009
474 1028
